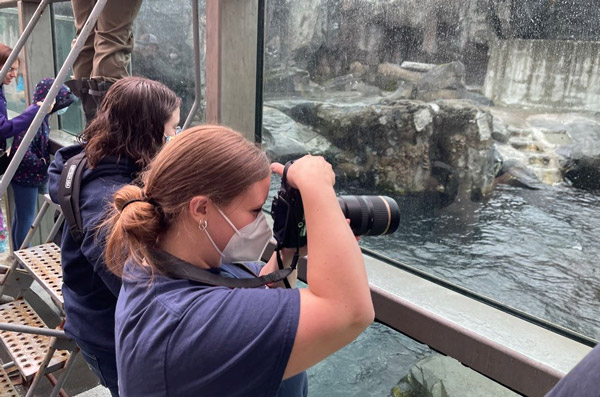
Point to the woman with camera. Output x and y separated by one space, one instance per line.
134 120
199 210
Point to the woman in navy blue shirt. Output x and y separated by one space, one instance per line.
201 206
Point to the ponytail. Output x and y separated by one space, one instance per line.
133 227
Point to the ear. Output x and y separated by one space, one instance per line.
197 207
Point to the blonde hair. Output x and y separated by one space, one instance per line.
209 160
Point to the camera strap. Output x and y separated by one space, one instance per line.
177 268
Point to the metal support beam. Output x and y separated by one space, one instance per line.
197 75
231 29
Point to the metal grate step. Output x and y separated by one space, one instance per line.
43 263
28 350
6 387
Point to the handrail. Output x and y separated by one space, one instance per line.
33 330
45 108
197 75
540 322
22 39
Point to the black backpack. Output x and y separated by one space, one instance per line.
68 194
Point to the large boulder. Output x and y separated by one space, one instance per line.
403 147
284 139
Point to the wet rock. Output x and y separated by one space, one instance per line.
358 69
404 90
500 132
284 139
447 77
442 376
286 80
580 157
408 147
516 174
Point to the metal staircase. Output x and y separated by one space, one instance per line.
35 350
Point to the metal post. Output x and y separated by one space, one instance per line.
22 39
55 228
260 56
64 374
45 109
40 373
34 225
197 76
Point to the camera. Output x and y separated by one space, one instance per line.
369 215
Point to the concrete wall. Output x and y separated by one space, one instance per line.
545 74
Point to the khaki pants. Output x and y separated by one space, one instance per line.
107 51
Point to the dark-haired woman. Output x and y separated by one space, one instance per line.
131 125
200 212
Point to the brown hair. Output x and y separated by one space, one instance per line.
209 160
4 54
130 121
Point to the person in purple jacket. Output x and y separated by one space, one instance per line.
19 124
199 210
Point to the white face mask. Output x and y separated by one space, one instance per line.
246 244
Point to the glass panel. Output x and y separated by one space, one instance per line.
165 55
487 139
9 34
383 362
164 49
72 120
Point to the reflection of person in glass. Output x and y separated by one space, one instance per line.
106 54
132 122
145 56
200 206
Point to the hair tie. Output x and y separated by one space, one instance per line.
132 201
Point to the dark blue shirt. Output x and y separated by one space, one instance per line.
583 380
182 338
89 289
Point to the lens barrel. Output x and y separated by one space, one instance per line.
371 215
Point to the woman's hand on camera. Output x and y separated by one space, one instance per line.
307 171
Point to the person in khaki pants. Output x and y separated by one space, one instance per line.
106 54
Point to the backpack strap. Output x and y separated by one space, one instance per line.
68 194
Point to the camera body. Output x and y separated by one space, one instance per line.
368 215
289 227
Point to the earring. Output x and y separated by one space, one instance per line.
203 225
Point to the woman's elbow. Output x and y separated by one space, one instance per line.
363 316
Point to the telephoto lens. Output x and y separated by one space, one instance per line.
371 215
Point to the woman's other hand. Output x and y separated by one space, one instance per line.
307 171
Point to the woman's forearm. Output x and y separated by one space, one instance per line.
19 124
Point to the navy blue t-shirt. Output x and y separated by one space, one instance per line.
181 338
583 380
